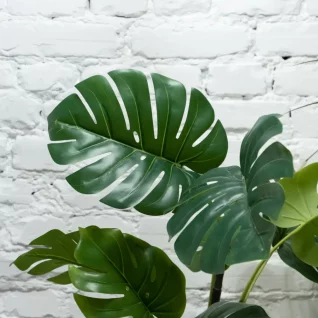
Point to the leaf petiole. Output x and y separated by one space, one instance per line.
259 269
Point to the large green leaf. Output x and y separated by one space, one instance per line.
106 261
288 256
82 136
300 209
220 215
150 283
234 310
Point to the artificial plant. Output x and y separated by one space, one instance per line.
167 160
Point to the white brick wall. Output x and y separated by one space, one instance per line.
41 77
295 39
312 7
235 80
125 8
297 80
180 7
50 8
195 42
57 39
264 7
245 55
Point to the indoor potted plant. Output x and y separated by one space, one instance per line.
222 216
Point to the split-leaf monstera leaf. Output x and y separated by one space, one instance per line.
131 143
50 251
300 209
221 217
106 261
234 310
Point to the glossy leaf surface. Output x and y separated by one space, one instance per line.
300 209
150 283
132 143
51 251
142 278
224 205
234 310
288 256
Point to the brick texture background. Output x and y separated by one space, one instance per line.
247 56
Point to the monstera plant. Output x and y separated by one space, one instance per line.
165 159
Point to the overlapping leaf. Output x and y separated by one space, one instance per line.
300 209
288 256
106 261
234 310
221 216
82 136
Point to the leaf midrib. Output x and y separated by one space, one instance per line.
176 164
117 269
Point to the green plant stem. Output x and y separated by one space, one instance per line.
301 107
216 289
249 286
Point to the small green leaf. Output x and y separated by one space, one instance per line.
53 250
219 217
234 310
300 209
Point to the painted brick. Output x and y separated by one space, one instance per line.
229 111
8 75
51 8
15 191
18 111
180 7
31 153
123 8
226 80
3 146
312 7
44 76
297 80
54 39
277 39
32 303
166 42
259 7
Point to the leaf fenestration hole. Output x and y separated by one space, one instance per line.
180 191
153 186
153 102
203 136
136 136
100 295
143 157
102 194
185 114
120 100
194 216
82 164
89 110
